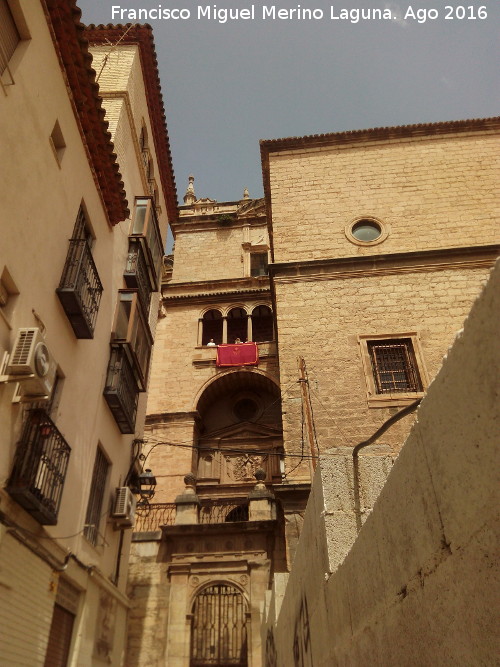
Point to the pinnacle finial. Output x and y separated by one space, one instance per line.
190 197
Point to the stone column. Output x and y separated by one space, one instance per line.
188 503
261 501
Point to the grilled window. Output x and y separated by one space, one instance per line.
80 288
9 35
394 366
94 507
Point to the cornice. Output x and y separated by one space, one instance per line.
381 133
422 261
216 297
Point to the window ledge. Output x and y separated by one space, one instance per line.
393 400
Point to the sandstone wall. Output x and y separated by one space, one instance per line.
321 319
418 187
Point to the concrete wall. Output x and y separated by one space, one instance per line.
420 584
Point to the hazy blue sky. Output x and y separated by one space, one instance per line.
225 86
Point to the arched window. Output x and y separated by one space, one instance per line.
237 325
212 327
262 324
218 629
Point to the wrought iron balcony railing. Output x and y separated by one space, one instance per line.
151 517
121 392
223 511
80 289
39 470
137 274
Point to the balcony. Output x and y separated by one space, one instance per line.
151 517
80 289
121 392
131 330
212 511
40 465
139 274
224 510
145 226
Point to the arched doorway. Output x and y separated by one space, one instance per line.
218 628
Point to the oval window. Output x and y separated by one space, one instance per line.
366 230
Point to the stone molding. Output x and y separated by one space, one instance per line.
422 261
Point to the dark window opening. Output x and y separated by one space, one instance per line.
237 325
212 327
245 409
259 264
394 366
262 324
239 513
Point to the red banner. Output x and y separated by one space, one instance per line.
239 354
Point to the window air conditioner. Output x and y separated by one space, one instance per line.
124 507
30 357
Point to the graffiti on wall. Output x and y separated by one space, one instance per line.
302 654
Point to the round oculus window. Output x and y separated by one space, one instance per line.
366 230
245 409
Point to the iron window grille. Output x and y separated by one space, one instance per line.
121 391
394 366
145 226
97 489
131 330
40 466
80 288
9 36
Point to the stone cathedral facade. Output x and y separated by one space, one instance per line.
293 331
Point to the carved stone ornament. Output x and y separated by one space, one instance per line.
243 468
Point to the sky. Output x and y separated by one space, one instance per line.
227 85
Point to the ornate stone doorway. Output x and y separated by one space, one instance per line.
218 628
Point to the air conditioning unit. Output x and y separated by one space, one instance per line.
124 507
30 356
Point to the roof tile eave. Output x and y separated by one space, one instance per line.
142 35
64 17
380 132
